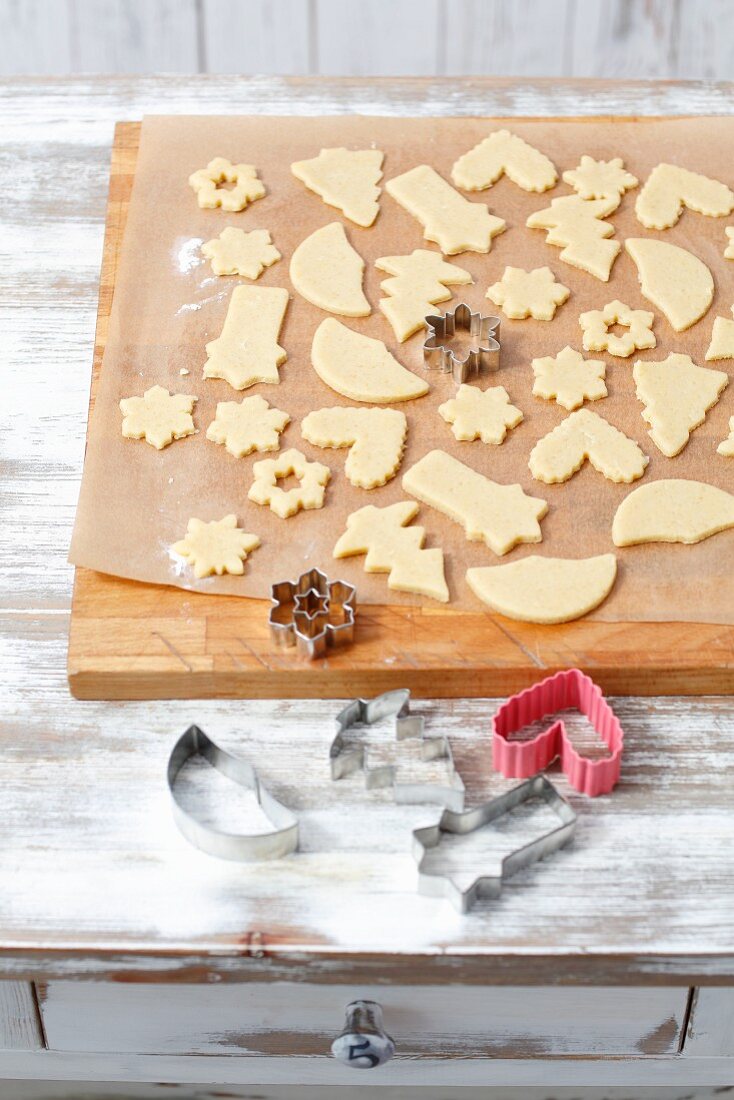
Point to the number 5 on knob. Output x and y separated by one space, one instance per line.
363 1044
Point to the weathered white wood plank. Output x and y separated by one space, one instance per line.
359 39
35 37
19 1024
60 1090
705 46
494 37
711 1023
134 36
619 39
261 36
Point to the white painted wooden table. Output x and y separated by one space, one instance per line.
201 971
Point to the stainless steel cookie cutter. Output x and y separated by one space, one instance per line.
347 757
436 884
484 353
312 613
247 847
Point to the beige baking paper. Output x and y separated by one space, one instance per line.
136 501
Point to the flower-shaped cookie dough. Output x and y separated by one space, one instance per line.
528 293
216 547
207 183
312 476
158 416
480 414
248 425
569 379
596 324
600 179
235 252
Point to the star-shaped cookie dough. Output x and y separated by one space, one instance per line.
312 476
569 379
158 416
528 293
207 184
235 252
480 414
595 325
247 425
600 179
217 547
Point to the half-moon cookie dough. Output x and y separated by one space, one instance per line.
577 227
361 368
420 281
394 548
726 447
600 179
676 394
569 379
207 184
480 414
217 547
158 416
312 476
586 435
522 294
454 223
503 153
235 252
672 510
246 426
545 590
375 437
248 350
596 323
722 339
669 189
328 272
346 179
674 280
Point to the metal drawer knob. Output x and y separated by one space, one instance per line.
363 1044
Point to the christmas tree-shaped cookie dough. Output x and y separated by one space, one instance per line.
480 414
503 153
569 379
420 281
247 350
248 425
676 394
346 179
669 189
576 226
327 271
217 547
376 438
392 547
600 179
235 252
454 223
586 435
722 339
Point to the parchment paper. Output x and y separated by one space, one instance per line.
136 501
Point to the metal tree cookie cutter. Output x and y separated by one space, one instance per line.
312 613
347 758
246 847
440 884
483 355
571 688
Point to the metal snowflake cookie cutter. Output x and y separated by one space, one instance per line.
280 841
312 613
437 884
348 757
483 355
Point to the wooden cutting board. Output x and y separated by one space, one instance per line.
140 641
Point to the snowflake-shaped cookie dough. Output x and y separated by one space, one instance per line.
528 293
600 179
217 547
313 477
596 324
207 183
480 414
248 425
569 379
235 252
158 416
729 250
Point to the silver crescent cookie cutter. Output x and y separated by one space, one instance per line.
348 757
482 355
312 613
280 841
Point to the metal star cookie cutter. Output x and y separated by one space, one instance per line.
312 613
347 758
280 841
437 884
483 355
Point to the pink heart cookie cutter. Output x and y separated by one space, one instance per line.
521 759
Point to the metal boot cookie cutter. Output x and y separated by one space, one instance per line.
312 613
442 884
348 756
482 355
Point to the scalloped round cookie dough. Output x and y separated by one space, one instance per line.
361 368
480 414
522 294
312 477
158 416
577 227
206 184
722 339
676 394
235 252
600 179
545 590
246 426
346 179
217 547
586 435
504 153
375 437
668 189
454 223
672 510
569 379
595 325
421 280
673 279
328 272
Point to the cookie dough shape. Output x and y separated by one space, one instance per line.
669 189
595 325
248 350
235 252
206 183
313 478
246 426
533 293
217 547
361 368
586 435
545 590
722 339
569 379
420 281
327 271
726 448
600 179
576 226
376 438
672 510
504 153
346 179
454 223
480 414
158 416
673 279
729 250
676 394
393 547
501 516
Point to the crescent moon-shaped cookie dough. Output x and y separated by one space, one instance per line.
673 279
361 368
545 590
328 272
672 510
